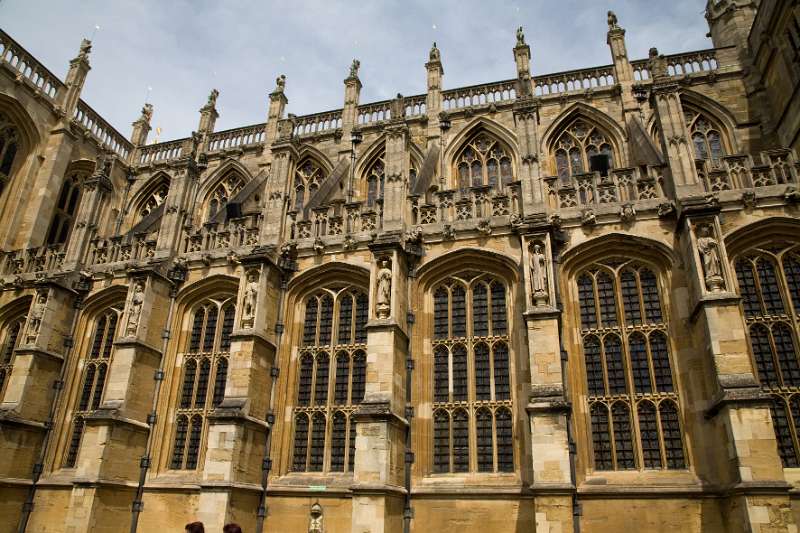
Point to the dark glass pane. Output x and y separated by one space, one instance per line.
652 302
459 319
562 164
480 310
342 378
499 314
502 379
359 377
477 173
197 328
787 356
362 306
601 437
615 367
193 449
770 292
338 441
700 150
794 410
97 342
630 297
202 383
189 371
661 366
440 375
11 343
345 335
310 323
791 266
673 440
587 302
640 366
181 431
506 171
229 312
220 380
483 382
459 373
321 382
594 366
317 452
74 443
605 294
505 444
622 436
483 432
351 458
491 172
440 320
648 427
716 146
112 328
210 329
463 177
460 441
762 352
325 320
304 381
372 191
747 288
99 385
300 443
88 384
441 442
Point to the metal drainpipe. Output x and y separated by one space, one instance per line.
58 386
266 463
144 462
408 512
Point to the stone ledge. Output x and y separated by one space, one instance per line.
367 489
541 313
249 334
553 489
233 413
548 405
28 349
133 342
380 324
377 412
735 397
112 416
722 299
9 417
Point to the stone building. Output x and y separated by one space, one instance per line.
558 303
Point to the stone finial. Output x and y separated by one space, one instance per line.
434 54
354 66
280 84
520 37
613 22
85 49
212 98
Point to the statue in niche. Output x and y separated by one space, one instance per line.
383 296
613 22
250 299
520 37
710 257
315 519
434 54
354 68
280 83
539 275
135 309
35 319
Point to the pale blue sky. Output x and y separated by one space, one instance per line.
183 49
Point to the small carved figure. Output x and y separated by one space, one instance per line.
613 22
135 309
147 112
710 257
657 64
212 98
354 68
35 319
627 213
484 227
315 519
383 296
539 275
280 83
588 218
250 299
520 37
398 107
434 54
85 49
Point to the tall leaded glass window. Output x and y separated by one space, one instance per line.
227 188
705 134
308 176
331 380
769 282
203 379
579 149
9 145
634 416
96 363
65 210
472 405
374 178
10 341
484 161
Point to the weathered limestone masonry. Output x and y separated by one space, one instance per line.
559 303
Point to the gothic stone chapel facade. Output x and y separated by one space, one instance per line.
559 303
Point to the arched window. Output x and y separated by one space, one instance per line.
96 363
205 374
65 210
769 283
154 199
308 176
471 376
633 403
582 147
9 146
232 183
10 341
484 161
705 134
331 380
374 179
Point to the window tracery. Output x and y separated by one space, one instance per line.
471 376
634 416
205 374
375 178
65 210
484 161
232 183
95 368
332 374
154 199
307 178
9 145
769 283
11 339
575 147
705 135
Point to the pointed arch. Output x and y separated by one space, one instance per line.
717 112
318 276
308 151
438 266
761 232
626 245
311 170
151 195
494 130
227 180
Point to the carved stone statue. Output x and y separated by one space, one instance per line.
520 37
539 275
398 107
35 318
250 299
613 22
434 54
315 519
147 113
85 49
710 257
280 84
354 68
383 295
657 64
135 309
212 98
